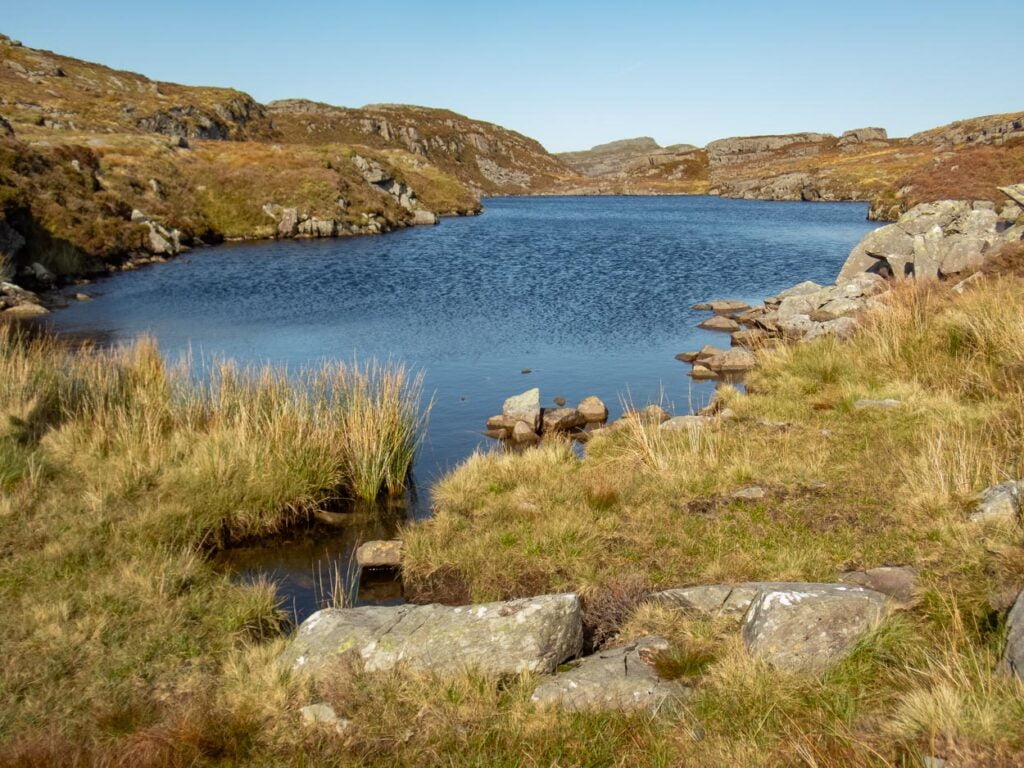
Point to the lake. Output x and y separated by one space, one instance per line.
591 295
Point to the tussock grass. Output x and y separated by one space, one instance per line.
118 475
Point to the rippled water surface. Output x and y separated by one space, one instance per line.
591 294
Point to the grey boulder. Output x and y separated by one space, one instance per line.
621 678
809 627
524 407
1013 656
497 639
999 504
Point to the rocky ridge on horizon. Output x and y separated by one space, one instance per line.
96 164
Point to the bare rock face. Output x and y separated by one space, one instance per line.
497 639
621 678
810 627
743 148
943 238
863 136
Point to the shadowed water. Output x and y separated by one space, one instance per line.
591 294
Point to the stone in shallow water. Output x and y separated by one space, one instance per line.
563 419
621 678
498 639
524 407
380 554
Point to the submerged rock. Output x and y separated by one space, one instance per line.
497 639
621 678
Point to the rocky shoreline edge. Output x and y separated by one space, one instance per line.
35 290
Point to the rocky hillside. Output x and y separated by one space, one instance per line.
486 157
623 156
102 169
969 158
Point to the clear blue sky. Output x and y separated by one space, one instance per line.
573 74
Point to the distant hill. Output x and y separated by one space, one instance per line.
488 158
623 156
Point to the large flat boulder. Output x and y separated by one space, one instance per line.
621 678
499 639
809 627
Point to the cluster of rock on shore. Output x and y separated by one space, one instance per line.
799 626
523 422
949 239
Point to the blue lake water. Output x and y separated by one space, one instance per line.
591 294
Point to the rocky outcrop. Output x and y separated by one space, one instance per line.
622 678
161 241
486 157
222 122
15 301
618 159
804 312
793 625
994 130
938 239
746 148
376 175
496 639
863 136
